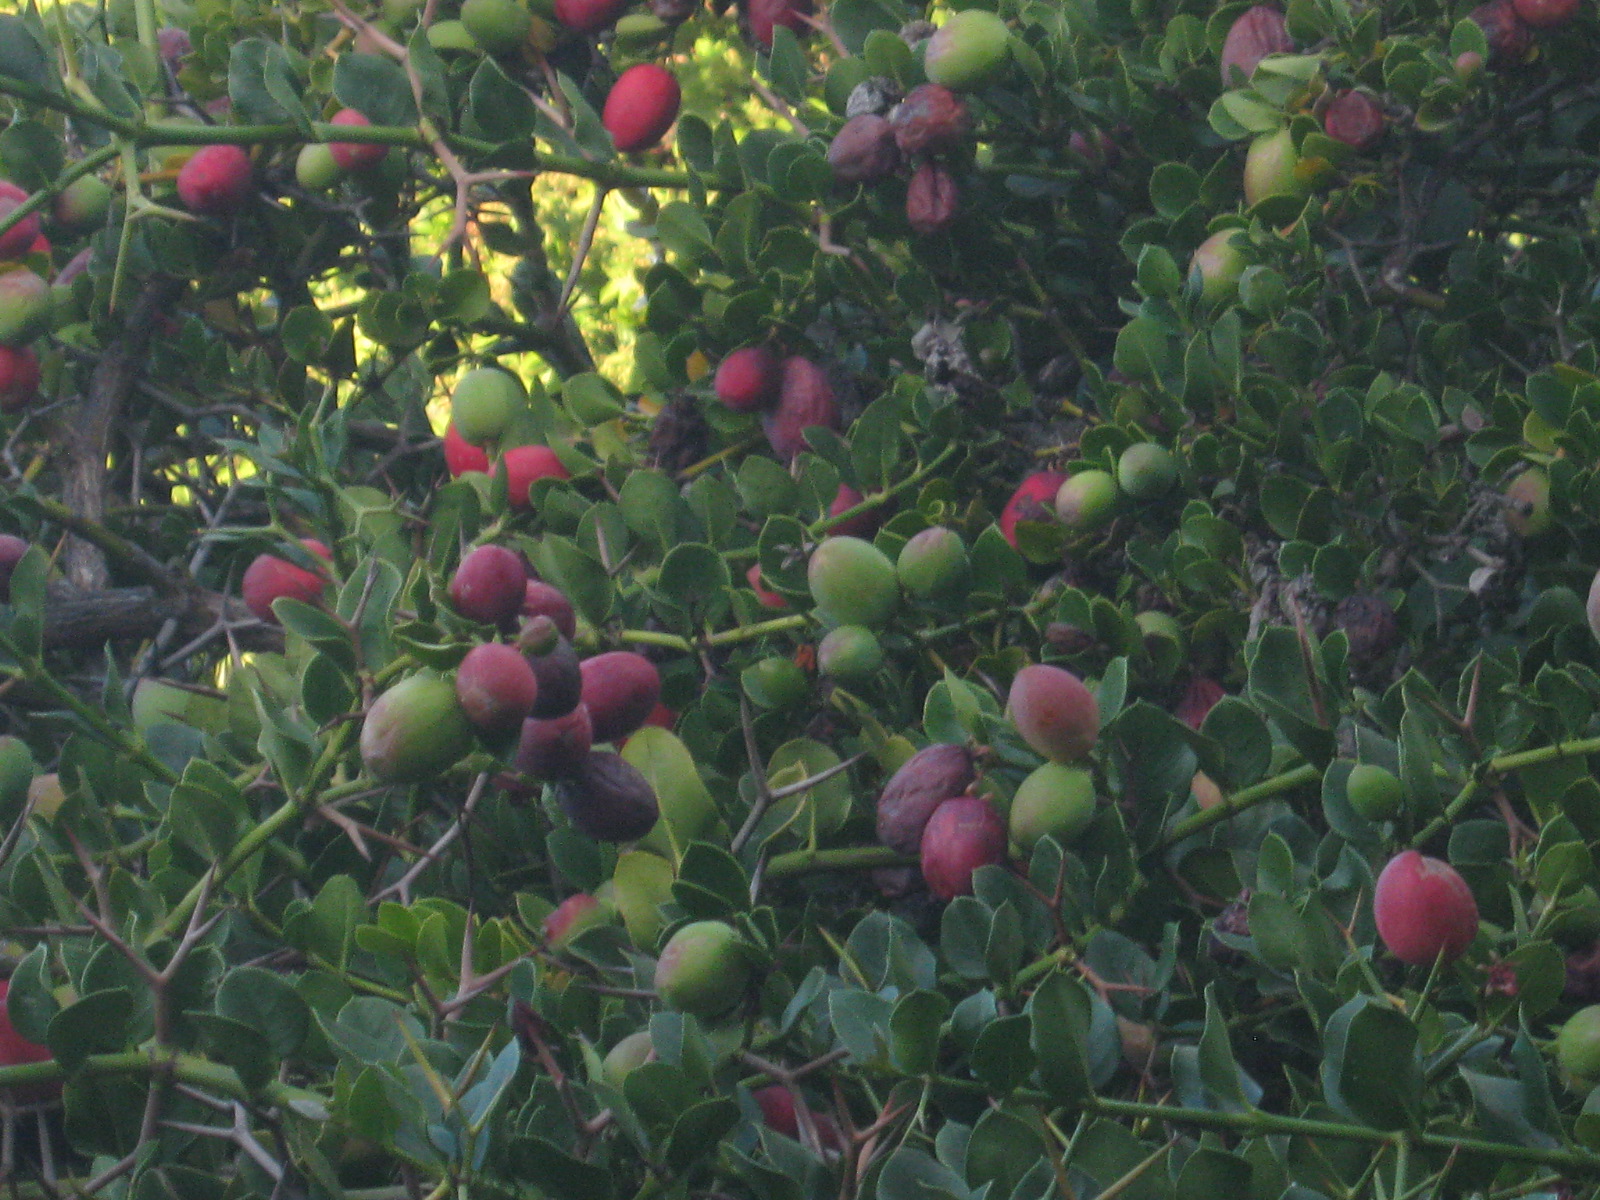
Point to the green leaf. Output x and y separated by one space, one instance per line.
1370 1071
375 86
914 1031
1059 1010
267 1002
263 87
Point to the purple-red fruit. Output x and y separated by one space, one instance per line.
1034 500
926 780
932 198
748 379
555 663
489 585
1508 37
1199 698
540 599
608 799
497 687
216 181
555 748
963 834
1054 712
1424 910
12 549
1546 14
589 16
805 399
355 156
766 15
864 150
929 119
765 596
16 241
620 688
1354 118
641 106
1257 32
19 377
268 577
863 524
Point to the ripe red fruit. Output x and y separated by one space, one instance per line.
932 198
489 585
589 16
1257 32
764 595
496 687
805 398
620 688
1509 39
16 1050
778 1113
1034 500
11 551
765 15
540 599
641 106
461 456
863 524
1198 699
963 834
930 118
19 239
269 577
570 918
355 156
924 781
525 465
556 747
217 181
1354 118
19 377
1544 14
748 379
661 717
1054 712
1424 910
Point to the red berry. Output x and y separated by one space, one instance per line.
1424 910
489 584
496 687
269 577
523 466
748 379
19 239
1544 14
1355 119
217 181
541 599
19 377
765 596
1198 699
589 16
766 15
1034 500
641 107
354 156
461 456
16 1050
963 834
620 690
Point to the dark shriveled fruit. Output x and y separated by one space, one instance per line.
805 399
926 780
497 687
1054 712
489 585
1355 119
929 119
933 199
555 748
620 688
864 150
1256 33
608 799
414 731
963 834
703 969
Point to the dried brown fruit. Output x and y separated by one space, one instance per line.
1370 624
863 150
1258 32
927 779
932 199
930 118
609 800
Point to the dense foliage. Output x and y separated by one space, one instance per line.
1053 505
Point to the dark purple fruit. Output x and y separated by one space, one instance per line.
926 780
933 198
609 800
620 689
929 119
963 834
497 687
864 150
489 585
555 665
557 748
540 599
1508 37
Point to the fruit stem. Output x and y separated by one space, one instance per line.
845 858
1503 765
1245 798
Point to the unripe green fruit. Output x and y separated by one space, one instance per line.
414 731
1087 500
1146 470
499 26
1220 264
703 969
16 776
1527 503
24 307
775 682
933 563
315 168
1055 800
1578 1049
853 582
483 404
82 204
1374 792
632 1051
968 50
450 35
1269 168
1591 607
850 654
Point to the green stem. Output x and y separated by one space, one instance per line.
185 1068
39 677
821 526
1241 800
1503 765
847 858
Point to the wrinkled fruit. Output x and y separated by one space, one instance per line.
926 780
929 119
608 800
933 199
863 151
